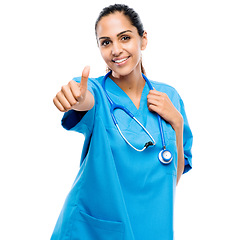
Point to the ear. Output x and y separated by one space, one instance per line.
144 41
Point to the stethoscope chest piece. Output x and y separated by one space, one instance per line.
165 156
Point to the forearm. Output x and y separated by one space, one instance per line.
85 104
180 151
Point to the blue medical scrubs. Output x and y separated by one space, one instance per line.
119 193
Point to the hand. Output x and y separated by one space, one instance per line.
160 103
73 93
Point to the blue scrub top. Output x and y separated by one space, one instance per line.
119 193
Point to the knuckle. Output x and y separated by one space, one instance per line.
165 96
77 95
63 88
150 107
54 100
73 102
71 82
67 107
58 95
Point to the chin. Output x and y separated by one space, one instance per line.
124 71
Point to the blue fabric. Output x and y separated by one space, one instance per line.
71 118
119 193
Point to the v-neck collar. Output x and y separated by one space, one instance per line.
122 97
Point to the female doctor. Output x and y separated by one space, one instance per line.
137 141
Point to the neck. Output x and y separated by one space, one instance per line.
132 84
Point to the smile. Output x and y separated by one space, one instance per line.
120 61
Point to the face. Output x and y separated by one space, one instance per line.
120 44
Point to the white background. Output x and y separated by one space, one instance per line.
46 43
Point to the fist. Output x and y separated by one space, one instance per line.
73 93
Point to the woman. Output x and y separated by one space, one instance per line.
123 191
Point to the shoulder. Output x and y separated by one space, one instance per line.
163 87
170 91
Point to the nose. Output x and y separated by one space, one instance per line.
116 49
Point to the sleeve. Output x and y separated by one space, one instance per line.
78 121
187 140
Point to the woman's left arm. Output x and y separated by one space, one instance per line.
180 151
160 103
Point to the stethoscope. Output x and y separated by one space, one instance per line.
165 155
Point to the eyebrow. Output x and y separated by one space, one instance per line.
117 34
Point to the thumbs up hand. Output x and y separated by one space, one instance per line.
75 95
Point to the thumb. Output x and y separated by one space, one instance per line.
84 78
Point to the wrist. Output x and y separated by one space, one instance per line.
177 125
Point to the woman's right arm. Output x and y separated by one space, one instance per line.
75 95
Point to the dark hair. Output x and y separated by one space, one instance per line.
127 11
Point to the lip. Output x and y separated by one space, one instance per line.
120 61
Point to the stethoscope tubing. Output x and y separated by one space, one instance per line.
162 157
158 116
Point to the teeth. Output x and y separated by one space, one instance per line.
121 60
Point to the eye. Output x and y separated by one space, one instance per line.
125 38
105 43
